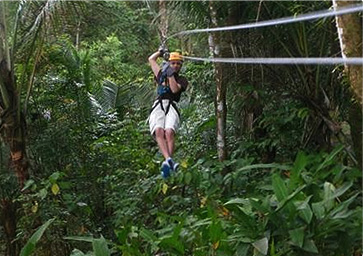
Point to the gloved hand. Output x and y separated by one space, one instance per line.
164 52
169 71
163 49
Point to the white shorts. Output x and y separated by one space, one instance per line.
158 119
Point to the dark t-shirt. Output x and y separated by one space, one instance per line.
180 80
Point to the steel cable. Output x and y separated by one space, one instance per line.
283 61
285 20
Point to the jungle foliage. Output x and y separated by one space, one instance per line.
292 182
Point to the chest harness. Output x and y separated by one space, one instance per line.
164 93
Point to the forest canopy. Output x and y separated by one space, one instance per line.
270 155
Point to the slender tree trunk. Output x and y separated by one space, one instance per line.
355 122
8 222
12 127
163 25
220 103
78 30
349 28
12 133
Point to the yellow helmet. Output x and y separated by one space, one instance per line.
176 56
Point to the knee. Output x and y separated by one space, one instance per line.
159 133
169 134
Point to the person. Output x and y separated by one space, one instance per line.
164 118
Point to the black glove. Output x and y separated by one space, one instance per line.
163 49
169 71
164 52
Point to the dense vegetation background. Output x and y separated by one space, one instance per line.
80 172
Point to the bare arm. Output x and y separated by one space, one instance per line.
154 65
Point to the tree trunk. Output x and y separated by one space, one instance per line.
163 25
12 126
78 30
220 103
8 222
355 122
350 37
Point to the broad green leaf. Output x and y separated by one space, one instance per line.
342 206
216 245
287 200
258 205
43 193
88 239
165 188
310 246
203 222
343 214
29 247
100 247
187 178
208 124
237 201
177 231
338 172
265 166
55 189
246 220
279 187
77 252
215 231
329 190
27 184
272 248
148 235
302 204
304 209
273 251
239 238
299 165
341 190
297 236
306 214
54 177
27 250
242 249
184 164
318 210
330 157
170 242
261 245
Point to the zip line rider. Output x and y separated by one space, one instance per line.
164 116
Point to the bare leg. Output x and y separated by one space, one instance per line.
162 143
170 140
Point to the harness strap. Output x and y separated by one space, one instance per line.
171 102
175 107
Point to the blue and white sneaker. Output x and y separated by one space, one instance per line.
165 170
173 165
